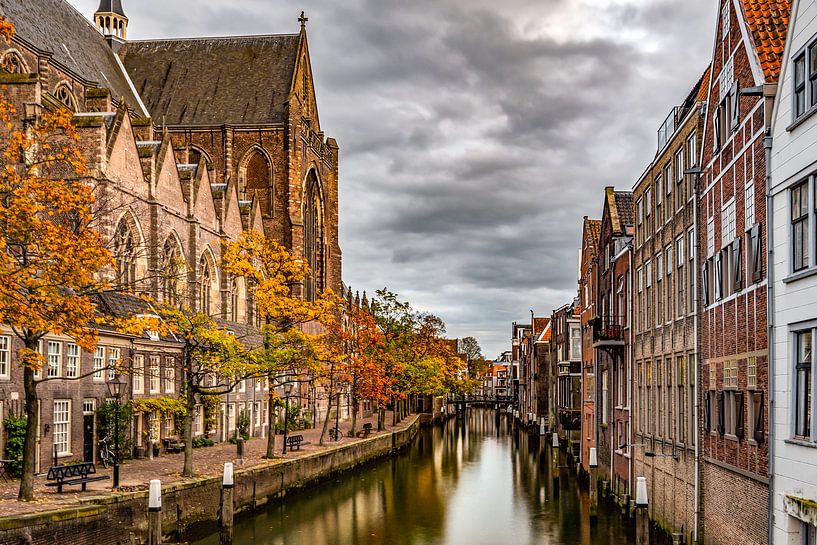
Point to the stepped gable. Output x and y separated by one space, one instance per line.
768 21
72 41
213 81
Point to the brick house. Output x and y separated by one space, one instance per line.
588 290
567 347
179 190
792 284
610 329
665 308
731 227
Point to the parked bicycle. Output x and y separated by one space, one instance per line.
335 434
106 455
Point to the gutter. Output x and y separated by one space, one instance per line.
767 146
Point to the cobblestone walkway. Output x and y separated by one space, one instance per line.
207 462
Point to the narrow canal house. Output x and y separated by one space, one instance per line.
175 198
611 341
588 291
793 282
567 347
664 349
731 228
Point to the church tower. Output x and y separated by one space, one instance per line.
111 22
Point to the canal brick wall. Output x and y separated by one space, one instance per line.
122 519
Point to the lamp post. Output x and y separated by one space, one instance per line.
287 392
116 387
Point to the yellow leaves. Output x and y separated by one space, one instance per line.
6 29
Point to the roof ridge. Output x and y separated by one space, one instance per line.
214 38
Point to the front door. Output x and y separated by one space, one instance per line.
88 437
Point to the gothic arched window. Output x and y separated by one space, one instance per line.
206 283
64 95
313 238
172 266
124 250
13 63
256 179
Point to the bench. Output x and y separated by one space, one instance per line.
367 429
294 441
73 474
172 444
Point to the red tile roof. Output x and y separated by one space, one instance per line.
769 22
592 234
703 84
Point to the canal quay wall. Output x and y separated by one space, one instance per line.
122 519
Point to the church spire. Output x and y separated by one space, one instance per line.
111 21
303 19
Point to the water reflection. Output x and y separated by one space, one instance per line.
472 482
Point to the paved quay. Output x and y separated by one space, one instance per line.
207 462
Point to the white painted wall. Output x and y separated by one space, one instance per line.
794 156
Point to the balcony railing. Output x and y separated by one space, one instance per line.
608 331
570 419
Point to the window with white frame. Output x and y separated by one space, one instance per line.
710 236
138 374
257 413
692 150
804 96
113 362
668 178
231 416
155 362
751 373
725 22
808 533
99 363
803 386
5 355
54 358
679 166
62 426
198 421
728 222
71 360
749 203
730 373
170 375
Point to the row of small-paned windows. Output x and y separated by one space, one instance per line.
673 294
733 412
665 397
803 221
804 97
671 188
63 359
155 378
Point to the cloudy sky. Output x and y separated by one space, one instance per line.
474 134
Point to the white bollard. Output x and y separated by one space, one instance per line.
155 513
227 484
555 442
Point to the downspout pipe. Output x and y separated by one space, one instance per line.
767 146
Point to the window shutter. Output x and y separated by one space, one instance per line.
708 411
721 415
706 282
740 420
756 257
734 96
760 408
718 276
716 126
737 279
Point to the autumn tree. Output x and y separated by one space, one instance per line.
272 275
214 360
476 364
51 253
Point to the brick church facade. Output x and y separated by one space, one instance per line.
194 141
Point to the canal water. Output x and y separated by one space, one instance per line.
471 482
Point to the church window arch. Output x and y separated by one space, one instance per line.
172 271
208 284
13 63
125 253
64 95
313 237
256 179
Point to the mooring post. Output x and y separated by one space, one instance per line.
227 483
239 450
594 484
555 444
642 515
542 426
155 512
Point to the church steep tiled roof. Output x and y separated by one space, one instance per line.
211 81
592 234
54 26
769 22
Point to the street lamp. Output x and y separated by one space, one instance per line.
116 387
287 392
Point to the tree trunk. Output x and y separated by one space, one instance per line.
326 420
270 423
353 431
187 432
381 417
393 412
26 492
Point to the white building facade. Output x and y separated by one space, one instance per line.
793 280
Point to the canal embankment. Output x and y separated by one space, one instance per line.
123 518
